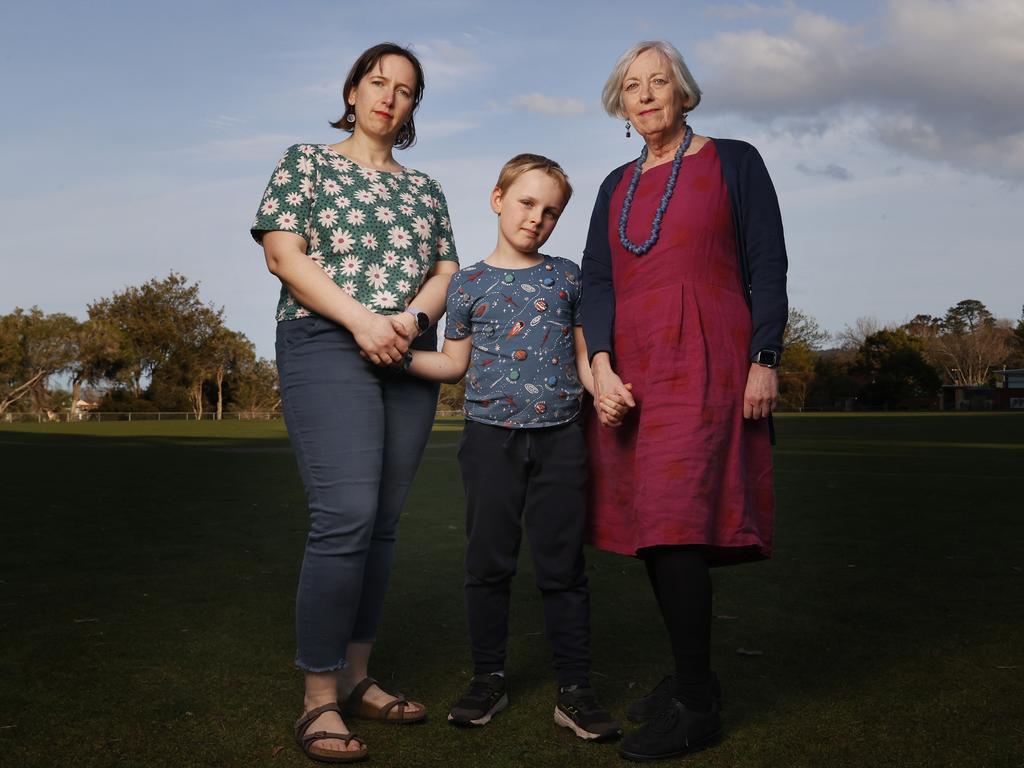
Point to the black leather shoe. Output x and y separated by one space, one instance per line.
675 732
655 702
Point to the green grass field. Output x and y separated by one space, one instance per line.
147 574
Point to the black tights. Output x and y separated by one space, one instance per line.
682 584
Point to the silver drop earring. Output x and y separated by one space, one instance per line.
628 134
351 116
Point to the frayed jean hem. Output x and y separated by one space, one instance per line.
317 670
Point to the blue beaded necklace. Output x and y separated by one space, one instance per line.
644 247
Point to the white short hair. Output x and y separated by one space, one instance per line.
686 87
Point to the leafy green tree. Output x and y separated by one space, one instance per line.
97 352
893 369
254 386
1015 359
924 326
33 347
967 316
834 383
159 321
803 329
230 351
802 341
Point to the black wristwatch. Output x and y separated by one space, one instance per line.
422 318
769 358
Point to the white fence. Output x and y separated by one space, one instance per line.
43 417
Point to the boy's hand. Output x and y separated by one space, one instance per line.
405 324
612 408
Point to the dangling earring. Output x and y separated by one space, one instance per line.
351 117
628 134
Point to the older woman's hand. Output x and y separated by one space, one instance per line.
611 397
379 341
762 392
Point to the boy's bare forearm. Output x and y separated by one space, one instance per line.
586 376
449 365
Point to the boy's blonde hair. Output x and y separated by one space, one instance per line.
520 164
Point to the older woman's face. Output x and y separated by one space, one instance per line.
650 97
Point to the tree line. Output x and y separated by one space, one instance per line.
160 347
153 347
871 366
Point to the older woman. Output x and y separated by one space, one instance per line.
684 307
363 249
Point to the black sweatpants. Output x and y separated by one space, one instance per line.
534 477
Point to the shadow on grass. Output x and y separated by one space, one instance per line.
148 579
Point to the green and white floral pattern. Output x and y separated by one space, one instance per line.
375 234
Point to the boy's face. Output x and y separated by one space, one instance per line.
528 210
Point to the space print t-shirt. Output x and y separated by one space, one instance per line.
522 369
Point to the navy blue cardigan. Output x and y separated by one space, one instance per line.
761 251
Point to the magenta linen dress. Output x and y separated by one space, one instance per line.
685 467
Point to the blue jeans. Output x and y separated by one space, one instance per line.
358 433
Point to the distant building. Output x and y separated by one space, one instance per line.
1007 394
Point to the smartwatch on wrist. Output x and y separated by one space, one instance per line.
769 358
407 360
422 319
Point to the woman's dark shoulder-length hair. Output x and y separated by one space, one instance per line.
366 62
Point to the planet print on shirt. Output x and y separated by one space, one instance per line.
520 329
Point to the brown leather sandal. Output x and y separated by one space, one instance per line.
307 741
395 711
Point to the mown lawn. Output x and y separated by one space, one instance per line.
147 573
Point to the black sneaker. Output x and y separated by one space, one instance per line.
579 710
484 699
675 732
655 702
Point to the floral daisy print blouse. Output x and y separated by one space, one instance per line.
376 234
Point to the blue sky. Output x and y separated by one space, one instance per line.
138 137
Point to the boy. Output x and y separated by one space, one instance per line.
513 331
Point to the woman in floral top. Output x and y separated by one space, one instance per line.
363 248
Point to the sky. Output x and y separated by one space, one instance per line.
138 137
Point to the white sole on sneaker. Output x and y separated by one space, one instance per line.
498 706
566 722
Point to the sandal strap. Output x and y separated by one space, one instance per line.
359 691
309 738
398 701
303 722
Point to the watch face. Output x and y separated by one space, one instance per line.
767 357
422 320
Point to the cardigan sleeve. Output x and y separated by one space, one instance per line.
598 292
764 247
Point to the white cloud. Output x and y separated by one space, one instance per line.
440 129
446 64
832 170
548 105
258 148
223 121
737 11
943 78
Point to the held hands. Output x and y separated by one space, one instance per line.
612 409
405 324
612 398
381 338
762 392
